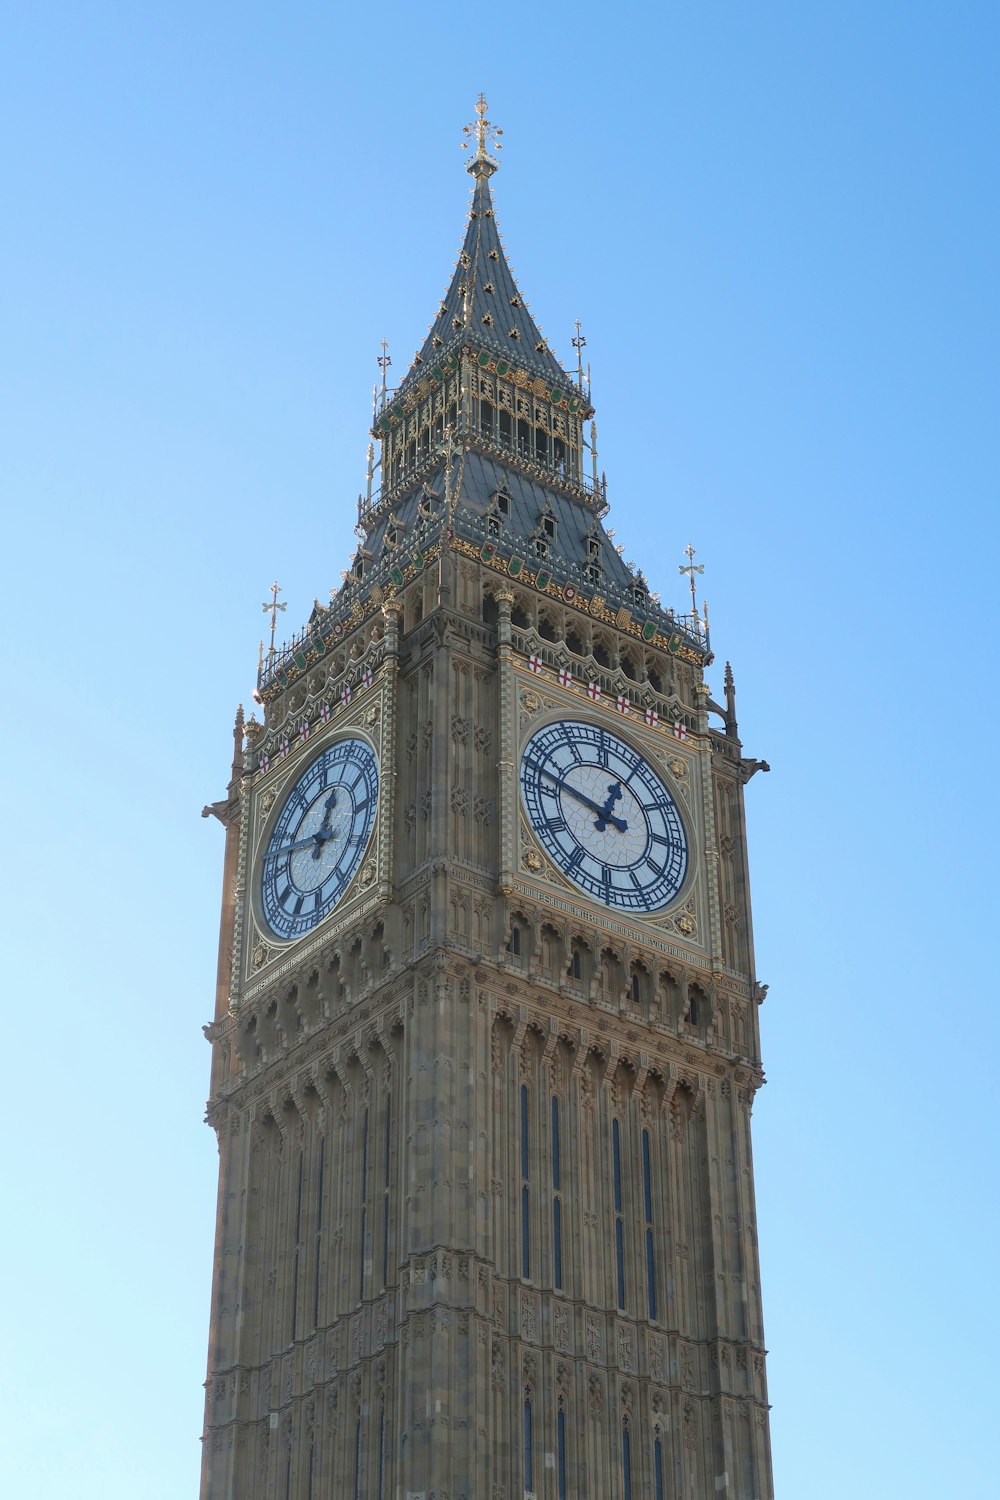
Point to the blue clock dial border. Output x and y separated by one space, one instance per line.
319 838
604 816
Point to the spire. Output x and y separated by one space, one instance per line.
483 304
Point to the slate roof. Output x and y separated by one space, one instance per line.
478 480
414 515
467 304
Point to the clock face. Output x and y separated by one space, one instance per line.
604 816
319 837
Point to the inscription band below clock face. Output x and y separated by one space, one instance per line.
604 816
319 837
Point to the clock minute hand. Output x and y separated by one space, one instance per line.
604 816
290 848
315 841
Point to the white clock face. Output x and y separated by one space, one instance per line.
319 837
604 816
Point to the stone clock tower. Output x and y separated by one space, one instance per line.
486 1038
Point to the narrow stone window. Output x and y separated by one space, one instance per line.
556 1200
647 1208
626 1461
636 995
381 1453
364 1205
525 1204
319 1229
658 1490
577 964
310 1471
515 940
529 1467
299 1248
561 1453
357 1457
616 1182
385 1190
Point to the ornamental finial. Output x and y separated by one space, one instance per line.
486 134
271 607
691 569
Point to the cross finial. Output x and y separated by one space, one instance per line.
691 569
271 607
384 361
579 344
485 134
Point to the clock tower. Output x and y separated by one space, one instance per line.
486 1042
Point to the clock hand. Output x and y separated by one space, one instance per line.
604 815
291 848
315 840
322 832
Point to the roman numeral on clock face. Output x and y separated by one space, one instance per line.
318 838
604 816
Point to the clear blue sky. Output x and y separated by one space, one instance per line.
778 224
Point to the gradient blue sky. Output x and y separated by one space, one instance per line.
778 224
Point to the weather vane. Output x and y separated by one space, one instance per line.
691 569
271 607
484 131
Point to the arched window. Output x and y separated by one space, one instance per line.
529 1466
561 1450
659 1493
626 1461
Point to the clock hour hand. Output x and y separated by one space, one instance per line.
604 814
323 831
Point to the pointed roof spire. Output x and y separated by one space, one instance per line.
483 129
483 303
